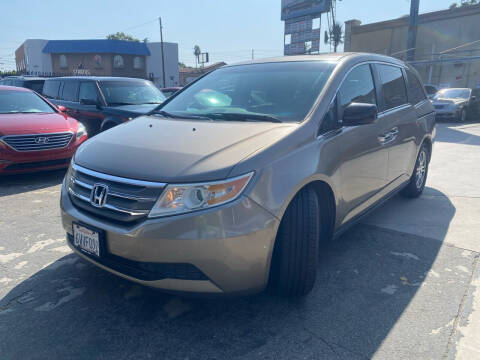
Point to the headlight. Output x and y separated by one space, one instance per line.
81 130
178 199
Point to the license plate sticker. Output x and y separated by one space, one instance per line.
86 240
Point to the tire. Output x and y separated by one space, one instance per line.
462 117
419 177
295 256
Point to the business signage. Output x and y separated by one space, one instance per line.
298 8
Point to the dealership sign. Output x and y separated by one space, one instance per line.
296 8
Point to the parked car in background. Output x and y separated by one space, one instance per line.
231 185
431 90
456 104
29 82
34 134
170 91
101 103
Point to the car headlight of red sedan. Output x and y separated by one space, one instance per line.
81 131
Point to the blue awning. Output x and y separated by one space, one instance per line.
96 47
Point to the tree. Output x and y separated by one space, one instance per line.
122 36
197 52
181 65
334 36
464 3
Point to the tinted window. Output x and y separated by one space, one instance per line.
357 87
286 91
415 90
131 92
393 86
22 102
70 89
88 91
50 89
35 85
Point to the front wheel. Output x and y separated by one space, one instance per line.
295 256
419 177
462 117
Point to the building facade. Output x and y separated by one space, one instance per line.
447 52
187 75
99 58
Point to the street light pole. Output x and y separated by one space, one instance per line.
412 29
163 56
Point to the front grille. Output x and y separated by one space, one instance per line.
38 164
38 141
126 200
148 271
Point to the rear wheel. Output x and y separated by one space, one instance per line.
295 256
419 177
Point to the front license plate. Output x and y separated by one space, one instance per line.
86 240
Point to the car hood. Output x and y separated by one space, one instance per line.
130 110
13 124
170 150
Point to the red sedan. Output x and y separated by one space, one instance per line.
34 134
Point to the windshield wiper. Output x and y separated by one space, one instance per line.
121 103
174 116
243 117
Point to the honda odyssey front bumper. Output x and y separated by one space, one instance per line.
226 249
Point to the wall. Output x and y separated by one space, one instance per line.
437 32
86 63
34 59
154 63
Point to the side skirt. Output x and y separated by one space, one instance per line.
342 229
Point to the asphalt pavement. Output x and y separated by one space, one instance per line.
403 284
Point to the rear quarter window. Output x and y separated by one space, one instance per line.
415 89
393 86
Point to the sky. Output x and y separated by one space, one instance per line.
228 29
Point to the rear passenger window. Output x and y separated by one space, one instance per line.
50 89
88 91
393 86
357 87
415 88
70 90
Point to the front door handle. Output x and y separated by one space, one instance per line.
389 136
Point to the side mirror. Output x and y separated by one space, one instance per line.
473 98
359 114
89 102
61 108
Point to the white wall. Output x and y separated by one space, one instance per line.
154 63
35 59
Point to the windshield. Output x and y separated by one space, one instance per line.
453 94
22 102
282 91
131 93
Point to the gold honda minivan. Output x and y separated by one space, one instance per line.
230 185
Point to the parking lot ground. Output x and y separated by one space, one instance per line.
403 284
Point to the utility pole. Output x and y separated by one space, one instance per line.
253 54
163 56
412 29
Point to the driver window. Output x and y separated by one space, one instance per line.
358 87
